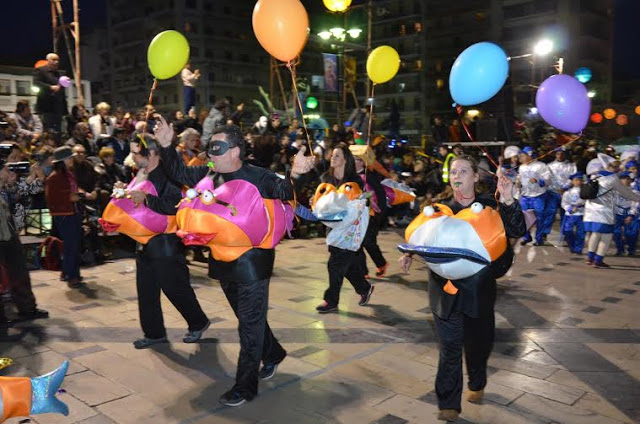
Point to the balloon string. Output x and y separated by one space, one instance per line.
146 118
466 129
292 68
373 88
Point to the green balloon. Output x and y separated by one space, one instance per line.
168 53
312 102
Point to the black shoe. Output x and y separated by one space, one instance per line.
198 256
325 308
232 398
269 370
75 283
539 243
524 242
145 342
601 265
35 314
364 298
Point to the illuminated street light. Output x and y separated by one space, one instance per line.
591 94
543 47
35 89
337 5
325 35
354 32
533 110
337 32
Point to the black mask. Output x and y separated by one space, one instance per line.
218 148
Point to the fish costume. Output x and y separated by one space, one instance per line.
138 222
23 396
232 218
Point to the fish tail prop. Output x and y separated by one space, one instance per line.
44 390
23 396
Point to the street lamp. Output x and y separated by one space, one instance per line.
543 47
591 94
337 5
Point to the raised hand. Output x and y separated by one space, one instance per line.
163 132
301 163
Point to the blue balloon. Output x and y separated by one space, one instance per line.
583 75
478 74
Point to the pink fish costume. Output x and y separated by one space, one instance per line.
138 222
232 218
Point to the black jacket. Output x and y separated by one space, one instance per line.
49 102
256 264
477 294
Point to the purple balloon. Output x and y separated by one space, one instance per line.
64 81
563 103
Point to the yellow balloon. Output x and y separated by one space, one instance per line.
337 5
168 53
383 64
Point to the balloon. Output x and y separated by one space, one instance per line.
281 27
478 73
610 113
383 64
168 53
622 119
596 118
64 81
563 103
41 63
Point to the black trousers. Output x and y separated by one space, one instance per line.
370 242
14 260
345 263
476 335
171 276
250 300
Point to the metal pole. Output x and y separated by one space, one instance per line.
54 26
78 70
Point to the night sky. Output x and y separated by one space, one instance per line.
28 38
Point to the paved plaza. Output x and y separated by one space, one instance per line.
567 350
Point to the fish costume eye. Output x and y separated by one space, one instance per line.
192 193
428 211
477 208
207 197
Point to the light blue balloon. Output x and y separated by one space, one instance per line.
478 73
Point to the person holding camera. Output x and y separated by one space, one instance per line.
62 196
13 259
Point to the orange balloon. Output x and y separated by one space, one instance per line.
281 27
609 113
40 63
622 119
596 118
637 110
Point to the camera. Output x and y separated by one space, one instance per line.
20 168
3 124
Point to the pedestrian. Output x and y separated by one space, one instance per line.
625 233
572 222
160 263
466 319
245 281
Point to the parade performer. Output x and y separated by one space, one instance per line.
599 212
534 178
24 396
148 216
245 279
343 262
364 158
625 233
472 251
572 223
560 170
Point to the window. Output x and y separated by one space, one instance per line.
5 86
403 30
439 84
417 27
211 77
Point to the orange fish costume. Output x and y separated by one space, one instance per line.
456 246
231 219
138 222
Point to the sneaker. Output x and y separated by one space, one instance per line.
146 342
268 371
194 336
589 262
35 314
382 271
524 242
232 398
364 298
325 308
601 265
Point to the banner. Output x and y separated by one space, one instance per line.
330 72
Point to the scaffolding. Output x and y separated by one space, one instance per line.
60 27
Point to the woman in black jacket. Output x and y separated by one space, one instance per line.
466 319
344 263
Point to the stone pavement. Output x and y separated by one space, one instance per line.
567 350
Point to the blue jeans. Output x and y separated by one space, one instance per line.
573 231
189 98
538 205
625 235
69 227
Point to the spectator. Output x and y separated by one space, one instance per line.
52 100
102 124
78 114
81 136
29 125
189 139
215 119
189 80
439 132
120 144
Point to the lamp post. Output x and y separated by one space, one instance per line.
542 48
